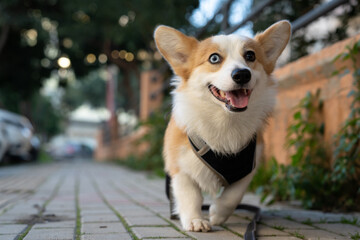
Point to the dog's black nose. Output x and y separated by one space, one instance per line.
241 76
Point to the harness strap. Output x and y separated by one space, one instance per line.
229 168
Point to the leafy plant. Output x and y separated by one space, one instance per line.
304 137
347 152
355 236
319 181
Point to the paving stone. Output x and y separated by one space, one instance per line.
94 206
50 234
61 216
116 236
285 223
278 238
128 208
216 234
94 211
244 214
340 228
169 238
61 224
136 213
101 228
147 220
238 227
176 223
152 232
313 216
268 231
12 228
8 237
25 208
262 230
315 234
12 219
236 219
100 218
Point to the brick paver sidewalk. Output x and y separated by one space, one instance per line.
79 200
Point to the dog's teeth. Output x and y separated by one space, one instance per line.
245 91
222 94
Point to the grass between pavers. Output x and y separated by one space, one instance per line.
233 232
78 210
308 222
121 218
278 227
149 209
42 209
163 238
149 225
25 232
7 209
355 221
355 236
297 234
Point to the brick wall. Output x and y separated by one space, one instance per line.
116 147
120 147
295 79
151 97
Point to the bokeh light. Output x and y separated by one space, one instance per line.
103 58
115 54
122 54
123 20
129 57
90 58
67 43
64 62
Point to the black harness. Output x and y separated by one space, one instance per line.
229 168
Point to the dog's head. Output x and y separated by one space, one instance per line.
229 67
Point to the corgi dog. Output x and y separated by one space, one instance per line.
223 95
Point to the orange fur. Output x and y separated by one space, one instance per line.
174 140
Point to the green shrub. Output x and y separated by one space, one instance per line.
312 176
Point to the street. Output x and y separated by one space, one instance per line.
88 201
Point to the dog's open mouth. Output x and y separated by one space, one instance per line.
235 100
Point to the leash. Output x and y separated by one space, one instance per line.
250 233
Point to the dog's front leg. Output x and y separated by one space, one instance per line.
188 200
225 205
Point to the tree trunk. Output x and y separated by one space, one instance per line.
3 36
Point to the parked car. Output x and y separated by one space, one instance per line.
4 143
71 150
18 135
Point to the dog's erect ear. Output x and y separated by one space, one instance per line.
274 40
175 47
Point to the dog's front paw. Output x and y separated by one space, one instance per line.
197 225
217 217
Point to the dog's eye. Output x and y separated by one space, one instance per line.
249 56
214 58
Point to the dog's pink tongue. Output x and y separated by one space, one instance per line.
237 99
